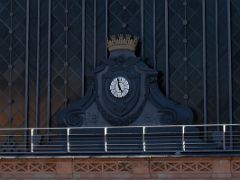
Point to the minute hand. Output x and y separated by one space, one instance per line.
119 85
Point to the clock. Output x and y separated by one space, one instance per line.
119 87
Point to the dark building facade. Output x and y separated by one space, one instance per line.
49 50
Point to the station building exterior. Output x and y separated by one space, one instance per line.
120 89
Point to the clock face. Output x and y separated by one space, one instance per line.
119 87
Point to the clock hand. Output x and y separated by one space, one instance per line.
119 87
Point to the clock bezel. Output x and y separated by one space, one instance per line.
131 81
126 79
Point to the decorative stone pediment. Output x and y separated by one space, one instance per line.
124 92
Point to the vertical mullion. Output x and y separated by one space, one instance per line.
185 53
83 47
38 56
204 64
229 61
95 34
166 50
217 62
142 29
106 28
66 55
49 65
26 105
154 35
10 116
230 69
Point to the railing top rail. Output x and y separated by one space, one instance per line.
111 127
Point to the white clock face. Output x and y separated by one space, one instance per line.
119 87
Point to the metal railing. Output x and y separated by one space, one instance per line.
172 139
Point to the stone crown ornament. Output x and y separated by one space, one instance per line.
122 42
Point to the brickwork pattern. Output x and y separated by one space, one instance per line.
121 168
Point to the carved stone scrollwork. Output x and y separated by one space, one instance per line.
235 166
28 167
102 167
74 118
181 166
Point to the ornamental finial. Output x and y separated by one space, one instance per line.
122 42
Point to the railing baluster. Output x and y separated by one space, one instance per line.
183 138
105 139
143 138
32 143
224 140
68 143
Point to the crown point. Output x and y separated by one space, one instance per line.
122 42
